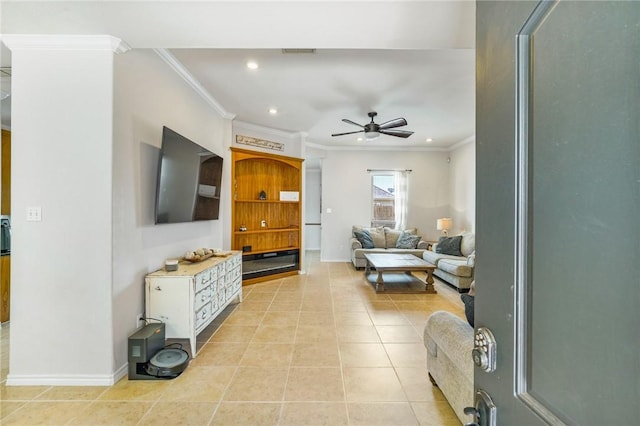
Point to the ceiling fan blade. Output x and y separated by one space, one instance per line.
399 133
347 133
352 122
396 122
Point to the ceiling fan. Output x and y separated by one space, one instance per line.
372 130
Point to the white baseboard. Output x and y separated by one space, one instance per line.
71 380
121 372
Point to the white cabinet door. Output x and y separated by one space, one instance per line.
169 300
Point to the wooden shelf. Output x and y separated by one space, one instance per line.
246 253
262 231
266 201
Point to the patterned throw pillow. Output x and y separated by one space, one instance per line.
449 245
365 238
407 241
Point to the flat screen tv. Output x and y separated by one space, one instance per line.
188 183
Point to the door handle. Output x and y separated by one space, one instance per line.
484 413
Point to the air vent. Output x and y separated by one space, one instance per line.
298 50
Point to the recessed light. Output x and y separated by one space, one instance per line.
360 139
273 111
252 65
429 140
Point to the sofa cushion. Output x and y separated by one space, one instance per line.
407 241
391 237
365 238
456 267
468 243
435 258
416 252
449 245
377 235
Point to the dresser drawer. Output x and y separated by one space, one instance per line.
203 315
203 297
202 280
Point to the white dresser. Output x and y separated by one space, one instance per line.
189 299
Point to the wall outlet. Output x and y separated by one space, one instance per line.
140 321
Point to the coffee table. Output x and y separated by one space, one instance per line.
407 263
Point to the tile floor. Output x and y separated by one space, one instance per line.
315 349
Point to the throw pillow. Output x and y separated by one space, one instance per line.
468 301
407 241
449 245
377 236
365 238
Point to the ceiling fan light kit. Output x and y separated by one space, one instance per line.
373 130
371 135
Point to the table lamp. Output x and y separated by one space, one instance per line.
444 224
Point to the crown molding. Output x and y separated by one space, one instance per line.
64 42
378 148
193 82
266 130
463 142
470 139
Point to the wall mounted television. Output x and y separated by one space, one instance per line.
188 181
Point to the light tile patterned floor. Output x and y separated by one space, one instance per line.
315 349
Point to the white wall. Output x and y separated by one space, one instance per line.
463 187
149 95
87 132
346 190
62 162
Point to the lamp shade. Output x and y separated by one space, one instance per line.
444 224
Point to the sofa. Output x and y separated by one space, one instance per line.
449 342
385 240
455 259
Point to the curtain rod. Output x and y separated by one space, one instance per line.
389 170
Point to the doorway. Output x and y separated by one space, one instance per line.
313 204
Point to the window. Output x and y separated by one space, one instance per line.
389 198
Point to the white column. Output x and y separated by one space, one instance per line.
62 126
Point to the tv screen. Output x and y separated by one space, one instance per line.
188 183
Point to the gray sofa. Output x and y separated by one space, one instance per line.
384 240
449 342
456 270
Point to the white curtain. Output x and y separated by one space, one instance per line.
400 191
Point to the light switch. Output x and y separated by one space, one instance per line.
329 210
34 214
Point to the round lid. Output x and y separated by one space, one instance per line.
169 357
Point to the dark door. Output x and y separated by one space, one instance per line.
558 209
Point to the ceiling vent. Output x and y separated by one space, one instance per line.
298 50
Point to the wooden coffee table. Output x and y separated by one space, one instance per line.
407 263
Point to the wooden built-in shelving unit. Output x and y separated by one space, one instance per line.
255 172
